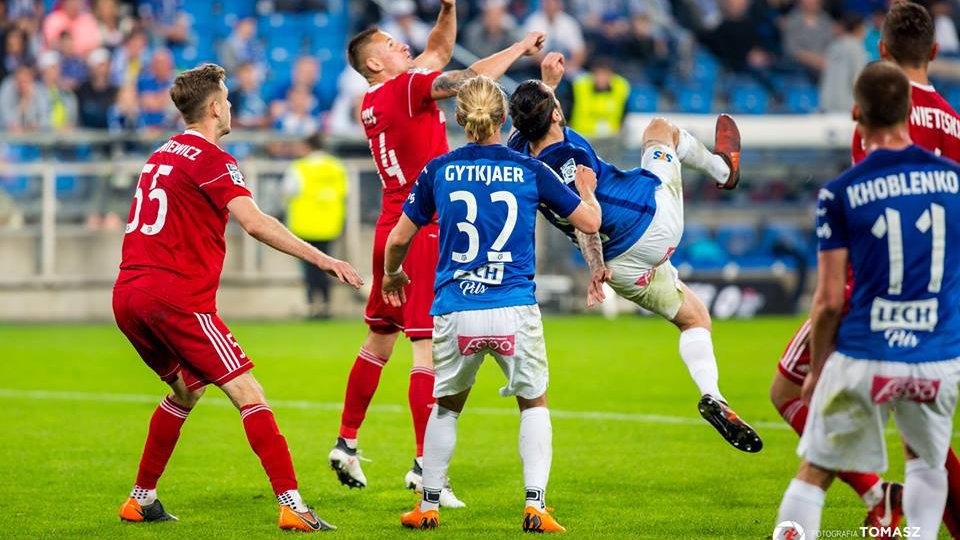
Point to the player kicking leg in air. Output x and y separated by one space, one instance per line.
908 40
406 130
485 301
642 224
164 299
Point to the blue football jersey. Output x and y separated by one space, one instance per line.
891 213
626 197
486 200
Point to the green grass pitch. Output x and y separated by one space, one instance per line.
632 459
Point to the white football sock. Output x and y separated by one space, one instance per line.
536 452
802 503
292 498
924 496
439 440
694 154
143 496
351 443
696 350
874 495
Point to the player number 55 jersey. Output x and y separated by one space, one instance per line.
486 198
896 212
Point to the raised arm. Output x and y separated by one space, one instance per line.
271 232
551 70
441 40
493 66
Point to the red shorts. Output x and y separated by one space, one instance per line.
421 265
795 362
171 340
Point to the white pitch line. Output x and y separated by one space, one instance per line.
109 397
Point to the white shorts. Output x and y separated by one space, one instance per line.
643 274
512 335
852 403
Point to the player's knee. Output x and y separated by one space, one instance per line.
661 131
188 398
524 403
244 390
380 344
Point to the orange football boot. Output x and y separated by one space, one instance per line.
415 519
309 521
132 511
727 145
540 521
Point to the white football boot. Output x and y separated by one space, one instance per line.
414 480
346 463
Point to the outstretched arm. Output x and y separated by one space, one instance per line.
493 66
441 40
271 232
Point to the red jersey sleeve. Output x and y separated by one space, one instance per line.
220 179
419 85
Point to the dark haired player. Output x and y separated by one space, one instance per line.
894 345
164 299
642 224
907 39
406 130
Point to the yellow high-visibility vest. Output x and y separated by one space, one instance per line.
317 211
598 113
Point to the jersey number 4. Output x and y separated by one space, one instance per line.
932 219
469 228
155 194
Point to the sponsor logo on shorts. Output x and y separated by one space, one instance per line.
663 156
887 389
914 315
502 345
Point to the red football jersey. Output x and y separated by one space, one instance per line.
174 244
406 130
934 125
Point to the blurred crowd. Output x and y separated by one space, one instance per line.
108 64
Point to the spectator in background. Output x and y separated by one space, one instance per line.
298 118
23 104
305 75
249 108
15 52
154 89
844 60
60 101
123 117
403 24
736 41
97 94
73 66
73 17
242 47
807 32
944 27
599 100
563 32
113 24
315 187
128 61
492 31
167 21
344 118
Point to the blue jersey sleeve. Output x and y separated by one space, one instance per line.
421 206
831 221
517 143
554 193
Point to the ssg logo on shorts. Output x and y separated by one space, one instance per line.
663 156
502 345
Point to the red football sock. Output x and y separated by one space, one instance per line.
363 381
421 400
795 413
269 445
161 440
951 514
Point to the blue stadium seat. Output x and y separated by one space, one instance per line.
801 99
694 99
747 98
738 239
239 8
705 69
951 93
783 233
643 98
20 187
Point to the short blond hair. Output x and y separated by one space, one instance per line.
481 108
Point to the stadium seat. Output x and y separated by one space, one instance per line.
239 8
749 98
643 98
705 70
801 98
694 100
738 239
